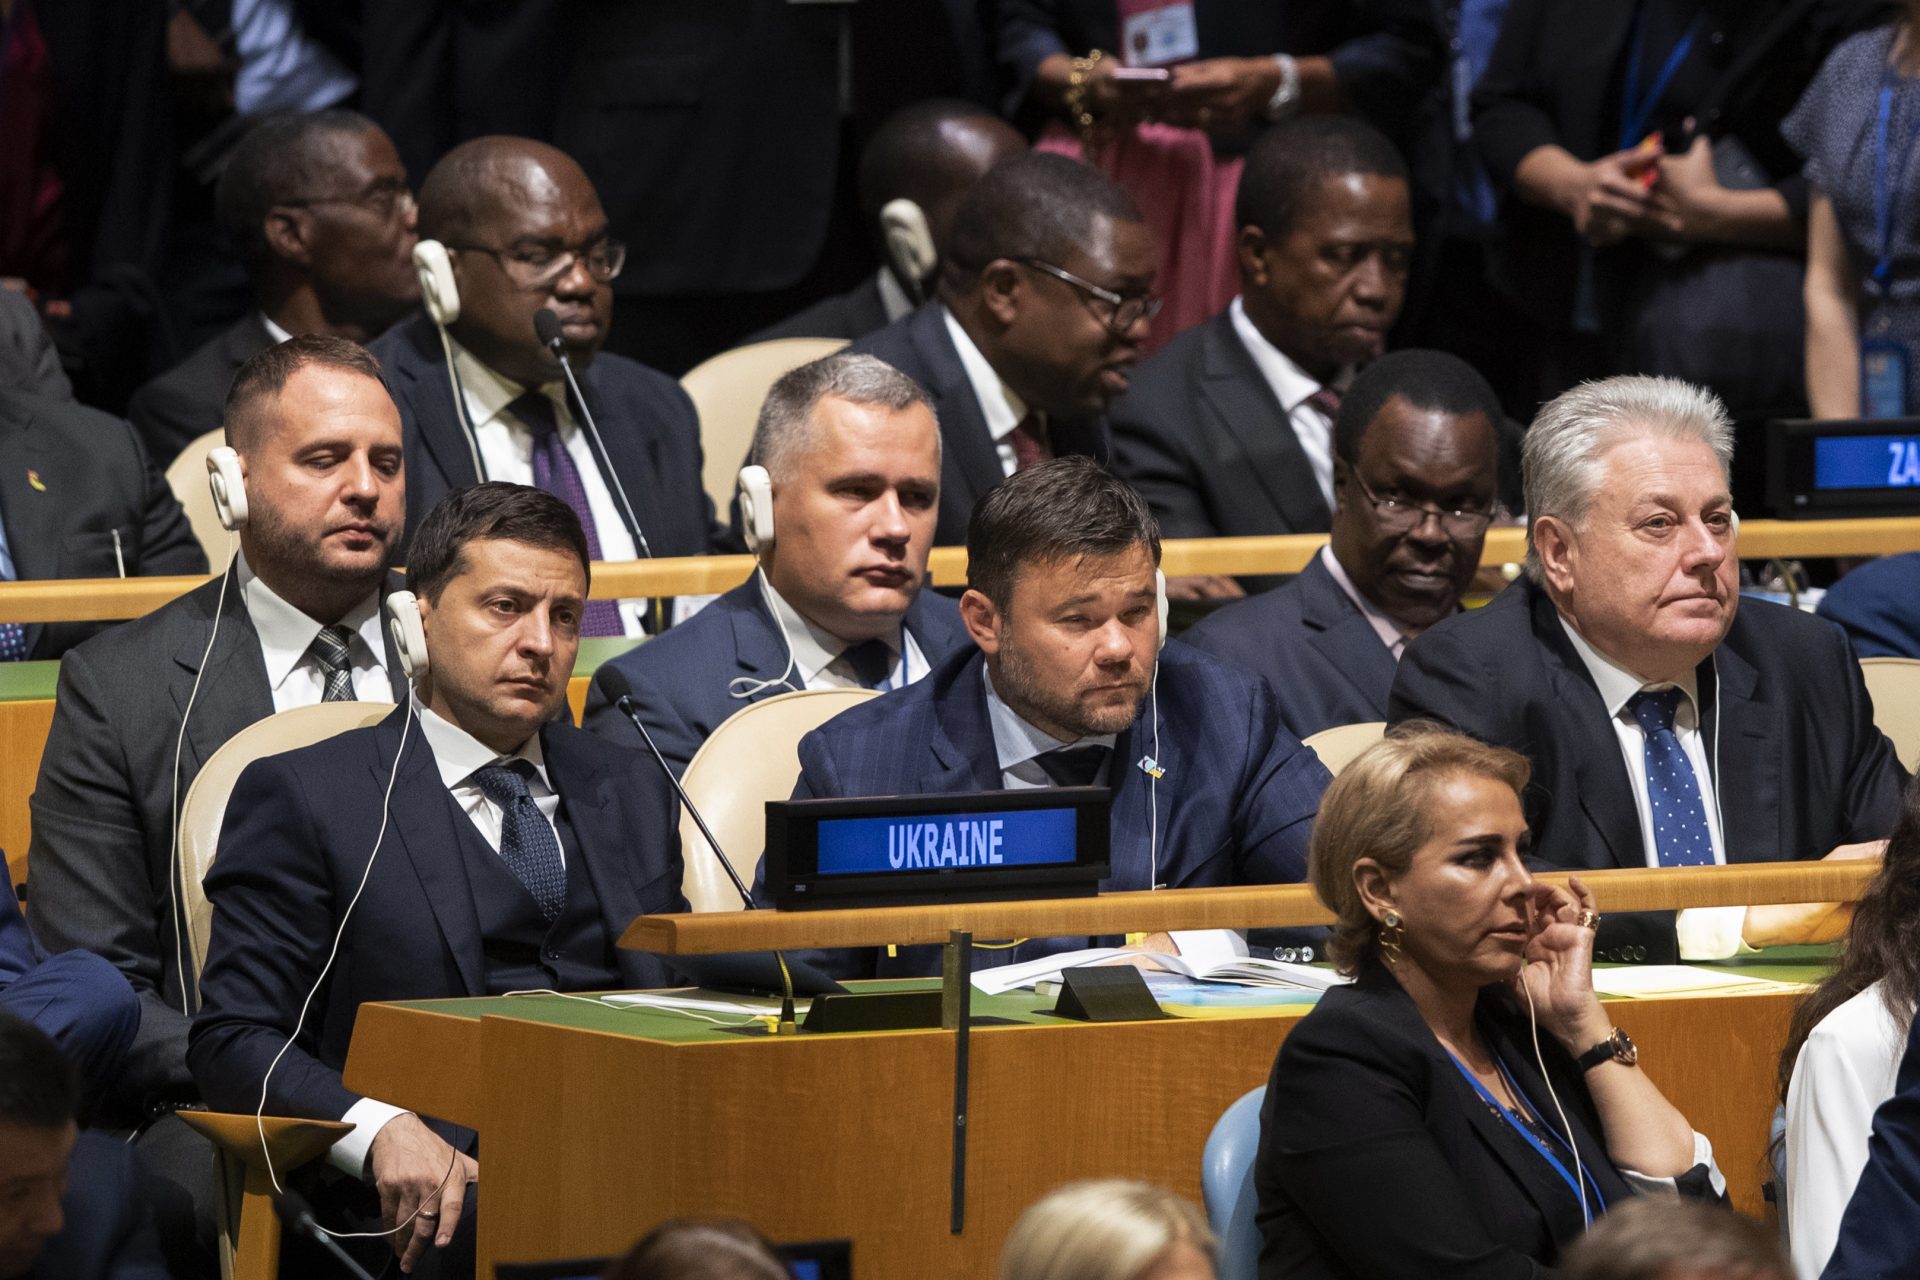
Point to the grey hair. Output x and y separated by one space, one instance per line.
1560 461
785 428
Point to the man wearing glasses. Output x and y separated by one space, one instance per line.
1043 304
524 232
1228 431
1415 465
317 206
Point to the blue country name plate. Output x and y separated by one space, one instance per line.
901 849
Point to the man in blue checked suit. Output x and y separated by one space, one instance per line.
1064 687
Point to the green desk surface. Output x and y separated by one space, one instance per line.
1782 964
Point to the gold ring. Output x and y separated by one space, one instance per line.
1589 919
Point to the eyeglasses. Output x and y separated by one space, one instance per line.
384 200
1122 312
1398 516
536 266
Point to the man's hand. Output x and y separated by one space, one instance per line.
1204 586
423 1185
1788 923
1220 93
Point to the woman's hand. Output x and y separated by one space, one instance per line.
1224 94
1558 976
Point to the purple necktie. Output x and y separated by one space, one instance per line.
553 470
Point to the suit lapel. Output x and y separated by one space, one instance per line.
623 456
588 802
31 515
429 392
1600 774
1342 635
1743 736
971 456
1237 394
964 756
423 817
233 691
937 632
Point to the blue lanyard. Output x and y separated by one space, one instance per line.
1883 191
1546 1153
1636 110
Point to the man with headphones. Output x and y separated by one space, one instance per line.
1072 682
314 484
473 843
839 506
511 228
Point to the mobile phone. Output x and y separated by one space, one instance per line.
1142 75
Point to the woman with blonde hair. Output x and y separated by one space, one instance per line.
1464 1108
1109 1230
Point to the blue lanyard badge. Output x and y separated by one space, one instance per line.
1885 192
1636 109
1545 1152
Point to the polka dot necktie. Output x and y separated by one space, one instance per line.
1680 833
1073 766
528 844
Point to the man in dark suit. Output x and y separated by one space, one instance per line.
28 360
1879 606
76 997
524 231
1228 431
927 155
1876 1233
1045 298
79 498
317 206
852 456
74 1207
141 707
1068 685
1415 464
1668 722
518 850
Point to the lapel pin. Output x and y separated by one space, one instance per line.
1151 767
33 479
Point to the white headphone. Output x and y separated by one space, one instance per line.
756 507
1160 608
910 247
408 633
229 485
439 295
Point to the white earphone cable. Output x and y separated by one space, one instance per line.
175 890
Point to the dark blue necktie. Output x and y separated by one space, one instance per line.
1073 766
870 662
1680 834
528 844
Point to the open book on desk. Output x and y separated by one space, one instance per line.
1242 970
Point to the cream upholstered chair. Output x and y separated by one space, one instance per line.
753 757
727 391
187 477
249 1231
1894 686
1337 746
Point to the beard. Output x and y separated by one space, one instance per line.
280 544
1021 687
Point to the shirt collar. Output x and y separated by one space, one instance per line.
457 753
274 331
286 633
813 647
1004 409
1016 741
491 392
1383 626
893 299
1616 683
1291 384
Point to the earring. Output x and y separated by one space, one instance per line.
1390 935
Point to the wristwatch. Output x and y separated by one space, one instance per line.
1286 98
1617 1047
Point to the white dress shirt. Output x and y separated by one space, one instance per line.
1001 405
506 451
286 640
457 754
1845 1070
1705 933
1293 387
816 651
1019 744
1386 628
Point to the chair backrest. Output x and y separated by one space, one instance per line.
727 392
205 807
1894 686
753 757
1337 746
1226 1184
187 477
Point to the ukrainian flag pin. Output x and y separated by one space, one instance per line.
1151 767
33 478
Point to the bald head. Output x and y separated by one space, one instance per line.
478 178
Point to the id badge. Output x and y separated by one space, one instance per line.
1158 33
1883 378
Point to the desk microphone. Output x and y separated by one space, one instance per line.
620 689
298 1215
546 326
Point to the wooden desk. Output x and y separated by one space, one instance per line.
596 1124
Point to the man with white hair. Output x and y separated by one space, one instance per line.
1669 724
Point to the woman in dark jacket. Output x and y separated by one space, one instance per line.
1415 1123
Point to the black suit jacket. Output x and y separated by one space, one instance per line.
681 679
646 421
1876 1236
1800 767
1323 658
28 360
299 831
850 315
71 479
102 807
1377 1158
1203 438
189 400
920 347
